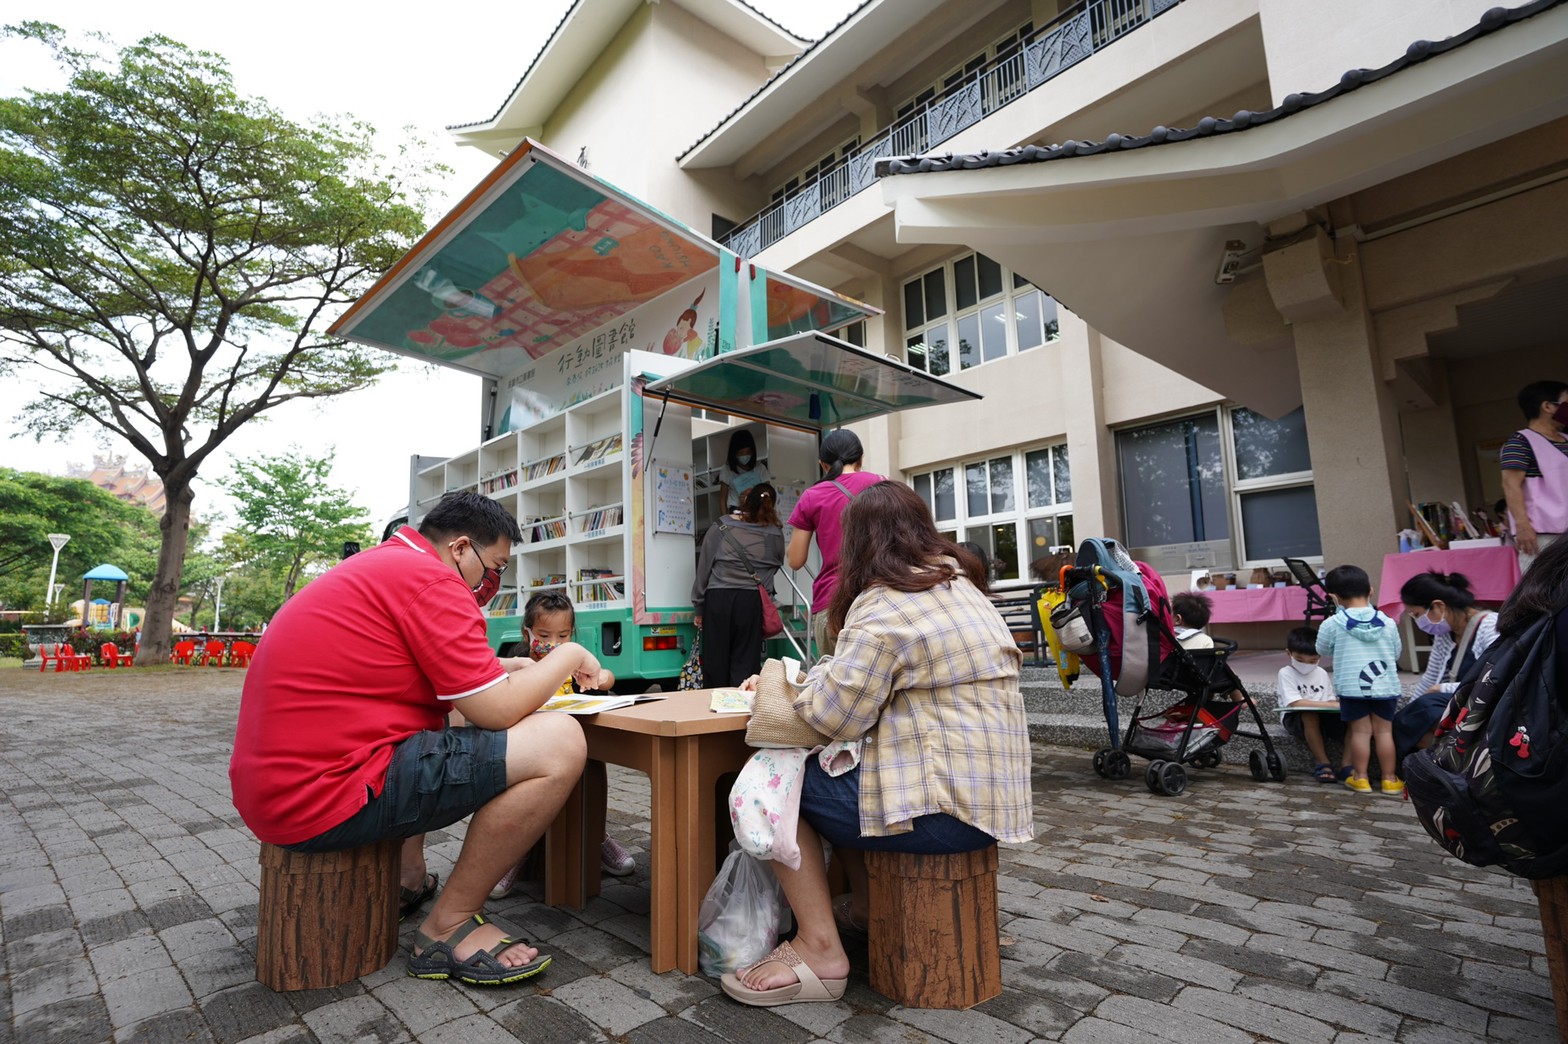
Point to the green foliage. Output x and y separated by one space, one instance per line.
170 250
13 646
291 519
101 528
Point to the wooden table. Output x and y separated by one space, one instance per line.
684 749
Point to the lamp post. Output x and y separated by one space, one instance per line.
56 541
217 602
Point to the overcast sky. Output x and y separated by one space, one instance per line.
424 67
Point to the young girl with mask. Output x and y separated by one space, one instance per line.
742 470
1443 606
550 620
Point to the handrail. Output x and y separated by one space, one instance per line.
1051 49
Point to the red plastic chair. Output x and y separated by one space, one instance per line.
69 660
240 653
111 656
184 652
213 654
51 652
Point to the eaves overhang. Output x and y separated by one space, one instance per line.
583 33
801 84
1130 236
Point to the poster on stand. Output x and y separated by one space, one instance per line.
672 500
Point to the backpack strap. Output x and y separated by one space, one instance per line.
843 489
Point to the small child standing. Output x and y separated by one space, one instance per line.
1191 611
1306 695
1364 645
549 620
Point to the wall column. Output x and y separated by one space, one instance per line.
1353 431
1091 450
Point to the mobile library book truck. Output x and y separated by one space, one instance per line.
620 350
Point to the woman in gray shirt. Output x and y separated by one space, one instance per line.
739 551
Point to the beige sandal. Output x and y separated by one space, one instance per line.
809 988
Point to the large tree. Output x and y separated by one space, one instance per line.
291 517
169 253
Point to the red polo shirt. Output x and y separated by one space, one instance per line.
359 660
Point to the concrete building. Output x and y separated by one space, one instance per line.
1225 299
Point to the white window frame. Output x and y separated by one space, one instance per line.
1235 488
1008 299
963 525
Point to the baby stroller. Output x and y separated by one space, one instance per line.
1116 618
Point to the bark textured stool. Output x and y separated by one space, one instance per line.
934 939
326 918
1551 894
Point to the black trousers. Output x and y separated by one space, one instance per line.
731 636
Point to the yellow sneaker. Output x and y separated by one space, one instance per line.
1359 784
1393 788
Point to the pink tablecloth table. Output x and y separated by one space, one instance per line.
1255 605
1493 572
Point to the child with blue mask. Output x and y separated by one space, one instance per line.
1364 645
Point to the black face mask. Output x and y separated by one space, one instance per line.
1561 416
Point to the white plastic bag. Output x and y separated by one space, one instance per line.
738 922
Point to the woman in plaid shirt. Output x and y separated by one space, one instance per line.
926 674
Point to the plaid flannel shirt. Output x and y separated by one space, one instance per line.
930 680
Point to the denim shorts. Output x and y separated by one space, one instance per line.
831 804
1354 710
435 779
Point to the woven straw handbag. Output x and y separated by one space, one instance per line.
774 722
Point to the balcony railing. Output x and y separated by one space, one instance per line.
1064 42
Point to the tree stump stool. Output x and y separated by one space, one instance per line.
326 918
1552 896
934 939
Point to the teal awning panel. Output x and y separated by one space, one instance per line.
538 255
105 572
809 381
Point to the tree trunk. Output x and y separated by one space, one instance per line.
163 597
293 578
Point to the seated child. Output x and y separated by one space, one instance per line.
1364 644
1305 696
1191 610
550 620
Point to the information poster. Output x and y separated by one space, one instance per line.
672 500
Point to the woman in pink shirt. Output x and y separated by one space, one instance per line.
818 512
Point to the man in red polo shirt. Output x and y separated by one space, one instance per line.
342 741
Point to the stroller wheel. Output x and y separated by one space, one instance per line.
1117 765
1099 760
1255 763
1276 767
1209 759
1173 778
1151 776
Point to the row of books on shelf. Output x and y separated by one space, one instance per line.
596 519
496 483
548 580
504 604
605 447
600 585
538 469
542 529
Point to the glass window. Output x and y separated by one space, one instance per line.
1173 482
1281 523
1053 326
1063 475
946 506
1037 477
977 485
936 293
1026 321
1001 484
993 326
922 487
990 277
969 341
914 307
1001 547
1265 448
964 283
1046 533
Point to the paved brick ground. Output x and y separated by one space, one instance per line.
1238 912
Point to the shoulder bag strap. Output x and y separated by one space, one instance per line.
736 544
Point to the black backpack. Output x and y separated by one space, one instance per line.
1493 786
